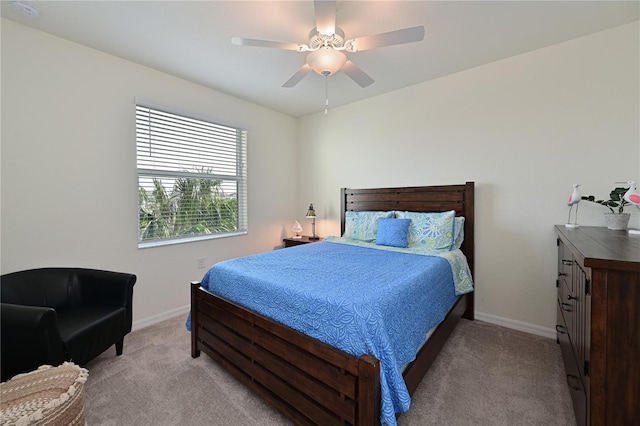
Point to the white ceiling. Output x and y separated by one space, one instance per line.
191 39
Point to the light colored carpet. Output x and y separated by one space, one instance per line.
485 375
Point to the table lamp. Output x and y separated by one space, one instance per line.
311 214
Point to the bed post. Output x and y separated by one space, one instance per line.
195 352
368 390
343 208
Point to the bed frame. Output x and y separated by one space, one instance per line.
307 380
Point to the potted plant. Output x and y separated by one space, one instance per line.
617 219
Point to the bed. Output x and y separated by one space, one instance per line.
306 379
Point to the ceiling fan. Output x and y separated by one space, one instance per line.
327 46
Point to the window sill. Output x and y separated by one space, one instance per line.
149 244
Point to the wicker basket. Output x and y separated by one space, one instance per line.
47 396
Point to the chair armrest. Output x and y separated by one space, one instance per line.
106 287
25 318
109 288
29 338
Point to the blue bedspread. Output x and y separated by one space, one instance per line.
358 299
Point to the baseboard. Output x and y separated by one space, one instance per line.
146 322
517 325
493 319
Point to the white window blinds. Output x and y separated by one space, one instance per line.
192 180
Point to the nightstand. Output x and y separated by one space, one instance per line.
290 242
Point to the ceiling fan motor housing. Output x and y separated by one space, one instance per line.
317 40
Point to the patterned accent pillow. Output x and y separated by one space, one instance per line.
393 232
432 231
363 226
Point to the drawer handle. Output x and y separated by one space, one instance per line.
565 307
574 378
567 262
570 297
559 329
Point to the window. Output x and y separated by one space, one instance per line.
192 178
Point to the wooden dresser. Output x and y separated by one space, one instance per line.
598 323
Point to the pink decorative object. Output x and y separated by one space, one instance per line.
632 196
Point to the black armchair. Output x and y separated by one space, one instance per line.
52 315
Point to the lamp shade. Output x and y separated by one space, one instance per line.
311 212
326 61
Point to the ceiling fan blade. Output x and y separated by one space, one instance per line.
356 74
299 75
407 35
325 16
240 41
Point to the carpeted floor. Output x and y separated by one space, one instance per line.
485 375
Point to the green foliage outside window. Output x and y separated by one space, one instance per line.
194 206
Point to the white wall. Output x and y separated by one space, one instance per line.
524 129
69 184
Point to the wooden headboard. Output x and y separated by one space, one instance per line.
417 199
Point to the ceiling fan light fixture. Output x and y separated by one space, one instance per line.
326 61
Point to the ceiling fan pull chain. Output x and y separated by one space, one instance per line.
326 94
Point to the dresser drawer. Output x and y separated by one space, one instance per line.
566 305
565 264
572 371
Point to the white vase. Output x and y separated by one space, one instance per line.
617 221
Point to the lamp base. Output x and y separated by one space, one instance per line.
571 225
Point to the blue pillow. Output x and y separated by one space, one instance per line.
393 232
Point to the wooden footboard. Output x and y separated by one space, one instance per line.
307 380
